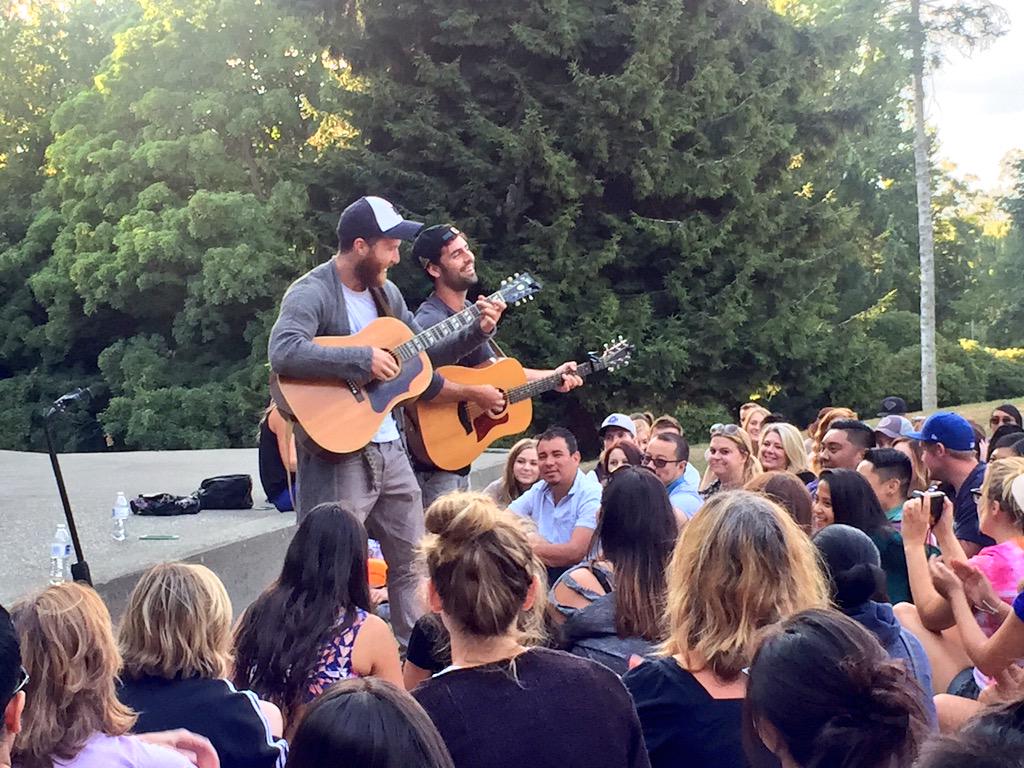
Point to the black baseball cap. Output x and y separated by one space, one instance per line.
431 241
371 217
10 658
893 406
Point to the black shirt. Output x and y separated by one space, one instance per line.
683 724
544 709
232 720
965 510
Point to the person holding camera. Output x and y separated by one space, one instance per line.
990 578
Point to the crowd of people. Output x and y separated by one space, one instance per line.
836 595
831 598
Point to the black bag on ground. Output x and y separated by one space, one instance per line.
164 504
226 492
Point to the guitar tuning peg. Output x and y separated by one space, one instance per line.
516 274
531 298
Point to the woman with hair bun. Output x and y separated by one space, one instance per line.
822 692
857 582
502 704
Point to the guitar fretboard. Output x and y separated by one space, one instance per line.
540 386
426 339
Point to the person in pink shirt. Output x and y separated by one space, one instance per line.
71 717
991 578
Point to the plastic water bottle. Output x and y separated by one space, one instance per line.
119 514
60 553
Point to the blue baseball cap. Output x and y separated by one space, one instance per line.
620 420
950 429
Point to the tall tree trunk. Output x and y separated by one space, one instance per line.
925 229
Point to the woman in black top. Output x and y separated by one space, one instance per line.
176 646
741 563
502 704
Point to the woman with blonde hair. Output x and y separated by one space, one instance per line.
781 449
764 569
732 462
752 420
176 648
72 716
520 473
502 704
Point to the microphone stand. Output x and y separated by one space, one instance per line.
80 569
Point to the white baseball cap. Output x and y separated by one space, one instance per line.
620 420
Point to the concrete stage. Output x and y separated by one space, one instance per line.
244 547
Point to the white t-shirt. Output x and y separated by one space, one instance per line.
361 312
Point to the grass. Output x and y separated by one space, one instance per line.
978 412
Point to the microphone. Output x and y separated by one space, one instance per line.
75 395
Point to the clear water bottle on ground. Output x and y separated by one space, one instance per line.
119 514
60 553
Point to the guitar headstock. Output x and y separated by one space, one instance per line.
617 354
518 288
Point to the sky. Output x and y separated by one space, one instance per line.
977 104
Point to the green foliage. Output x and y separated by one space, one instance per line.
172 217
728 184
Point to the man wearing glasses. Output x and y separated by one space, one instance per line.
445 255
668 455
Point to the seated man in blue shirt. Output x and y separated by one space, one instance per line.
668 454
564 503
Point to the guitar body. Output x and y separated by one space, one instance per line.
452 437
342 418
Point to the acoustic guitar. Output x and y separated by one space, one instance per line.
453 435
342 417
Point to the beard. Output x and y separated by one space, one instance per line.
370 273
456 281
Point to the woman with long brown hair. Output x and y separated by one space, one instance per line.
741 564
72 715
613 605
521 471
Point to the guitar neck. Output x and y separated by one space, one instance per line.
424 340
539 387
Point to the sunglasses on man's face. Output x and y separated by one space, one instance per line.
657 461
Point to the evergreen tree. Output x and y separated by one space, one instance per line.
662 166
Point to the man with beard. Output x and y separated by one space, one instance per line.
446 257
338 298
